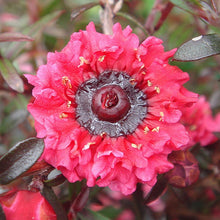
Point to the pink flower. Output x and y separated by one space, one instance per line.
109 108
200 123
26 205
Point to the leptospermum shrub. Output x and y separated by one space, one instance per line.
113 116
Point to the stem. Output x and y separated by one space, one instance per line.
50 196
2 214
106 18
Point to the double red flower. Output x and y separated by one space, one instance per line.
109 108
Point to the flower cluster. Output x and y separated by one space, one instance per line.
109 108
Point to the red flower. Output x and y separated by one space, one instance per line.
109 108
200 124
26 205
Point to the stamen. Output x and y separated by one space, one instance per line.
63 115
146 129
157 89
149 83
136 146
82 61
157 129
66 82
101 58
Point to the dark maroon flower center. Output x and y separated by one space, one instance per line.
110 104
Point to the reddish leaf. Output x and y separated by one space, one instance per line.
10 75
12 36
19 159
157 190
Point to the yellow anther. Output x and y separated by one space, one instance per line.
149 83
82 61
144 73
103 134
138 57
157 89
69 104
142 66
146 129
66 81
157 129
162 116
87 146
63 115
101 58
136 146
132 81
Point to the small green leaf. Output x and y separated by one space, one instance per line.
19 159
198 48
10 75
13 36
78 11
157 190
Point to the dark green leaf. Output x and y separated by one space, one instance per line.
2 215
19 159
10 75
12 36
77 11
157 190
198 48
50 196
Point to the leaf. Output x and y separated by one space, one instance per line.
157 190
33 30
79 10
19 159
13 36
50 196
10 75
198 48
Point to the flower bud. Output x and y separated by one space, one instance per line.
185 171
26 205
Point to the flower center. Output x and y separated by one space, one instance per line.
110 103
